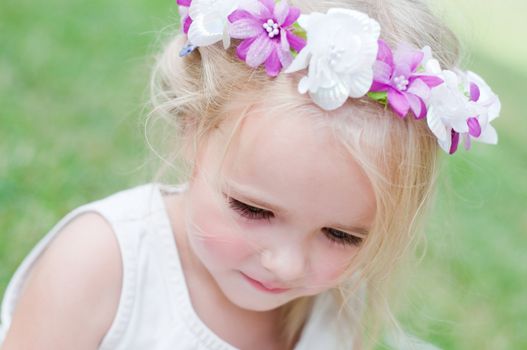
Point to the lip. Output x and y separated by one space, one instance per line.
260 286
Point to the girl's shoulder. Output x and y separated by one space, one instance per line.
85 272
77 278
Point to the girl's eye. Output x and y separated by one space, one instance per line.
248 211
254 213
340 237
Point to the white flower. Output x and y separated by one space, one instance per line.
341 50
183 12
448 108
451 105
488 107
210 20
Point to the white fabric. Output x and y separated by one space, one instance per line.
154 310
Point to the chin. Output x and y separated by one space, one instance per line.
249 298
257 303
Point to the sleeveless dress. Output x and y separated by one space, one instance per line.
155 310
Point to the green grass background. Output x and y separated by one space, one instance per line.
73 82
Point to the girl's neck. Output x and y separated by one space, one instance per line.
240 327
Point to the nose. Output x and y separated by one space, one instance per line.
287 263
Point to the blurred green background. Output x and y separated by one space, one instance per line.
73 85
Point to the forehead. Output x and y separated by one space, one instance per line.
297 162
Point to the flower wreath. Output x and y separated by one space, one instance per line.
345 58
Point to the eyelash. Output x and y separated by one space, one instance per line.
253 213
340 237
249 211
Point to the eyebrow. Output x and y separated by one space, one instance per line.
243 192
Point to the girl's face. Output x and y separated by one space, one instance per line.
286 215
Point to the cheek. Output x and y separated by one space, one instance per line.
214 237
329 267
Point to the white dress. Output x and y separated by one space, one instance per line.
155 310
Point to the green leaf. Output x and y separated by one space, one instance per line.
379 96
299 31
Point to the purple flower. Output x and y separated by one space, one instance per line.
478 125
474 127
474 131
186 21
267 33
397 75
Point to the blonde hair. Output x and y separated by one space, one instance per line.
399 156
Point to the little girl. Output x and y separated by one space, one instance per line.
311 132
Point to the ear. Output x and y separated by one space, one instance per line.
200 151
188 158
187 146
193 154
188 150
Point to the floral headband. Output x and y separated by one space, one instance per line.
345 58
